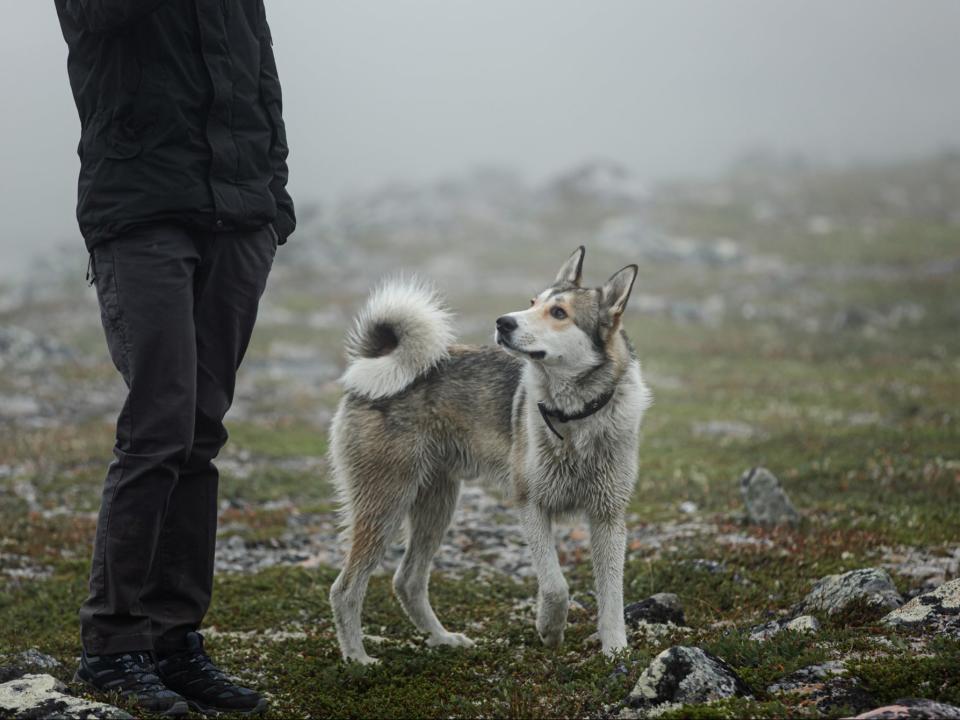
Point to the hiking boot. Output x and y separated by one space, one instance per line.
133 677
207 688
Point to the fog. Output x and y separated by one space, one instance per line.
410 90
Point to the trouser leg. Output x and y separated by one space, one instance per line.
229 282
145 290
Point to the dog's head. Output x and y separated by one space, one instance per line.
568 327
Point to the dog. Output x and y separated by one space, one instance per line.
554 412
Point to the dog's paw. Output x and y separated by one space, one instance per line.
551 639
451 639
364 659
613 649
552 619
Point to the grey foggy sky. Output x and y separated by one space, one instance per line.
377 90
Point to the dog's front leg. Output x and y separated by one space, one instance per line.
608 541
552 594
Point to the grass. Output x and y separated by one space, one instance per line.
860 426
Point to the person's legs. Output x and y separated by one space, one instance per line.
145 289
229 282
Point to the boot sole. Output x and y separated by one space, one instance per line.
181 708
211 711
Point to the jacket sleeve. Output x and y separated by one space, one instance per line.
101 16
270 96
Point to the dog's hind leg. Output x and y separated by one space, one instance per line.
429 518
552 594
608 541
376 517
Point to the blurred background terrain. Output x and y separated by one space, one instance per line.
787 315
796 308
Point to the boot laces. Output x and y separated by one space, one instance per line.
207 667
139 668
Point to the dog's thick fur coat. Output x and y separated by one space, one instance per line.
419 415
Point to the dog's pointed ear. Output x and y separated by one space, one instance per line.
572 269
616 291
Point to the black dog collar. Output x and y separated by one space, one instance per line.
589 409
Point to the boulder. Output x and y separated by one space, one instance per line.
826 687
766 502
809 675
658 608
912 709
800 624
937 611
684 675
835 593
43 696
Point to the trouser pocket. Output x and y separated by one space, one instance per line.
104 277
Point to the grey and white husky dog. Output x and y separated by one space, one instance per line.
554 413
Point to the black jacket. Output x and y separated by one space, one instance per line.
180 110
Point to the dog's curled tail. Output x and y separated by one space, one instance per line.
403 330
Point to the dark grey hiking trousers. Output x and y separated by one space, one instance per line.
178 307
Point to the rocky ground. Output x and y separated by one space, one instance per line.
794 539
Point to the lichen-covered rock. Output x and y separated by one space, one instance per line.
33 658
658 608
826 687
835 593
766 502
938 611
684 675
43 696
800 624
808 676
912 709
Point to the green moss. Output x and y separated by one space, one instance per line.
734 708
934 675
278 440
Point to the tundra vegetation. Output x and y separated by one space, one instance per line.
790 316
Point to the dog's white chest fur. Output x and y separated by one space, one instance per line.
594 466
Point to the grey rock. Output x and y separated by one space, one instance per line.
827 687
839 694
800 624
235 542
658 608
43 696
808 675
684 675
926 568
912 709
27 352
714 567
767 503
834 593
937 611
35 659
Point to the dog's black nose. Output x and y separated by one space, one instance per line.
505 324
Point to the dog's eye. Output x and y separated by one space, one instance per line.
533 301
558 312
